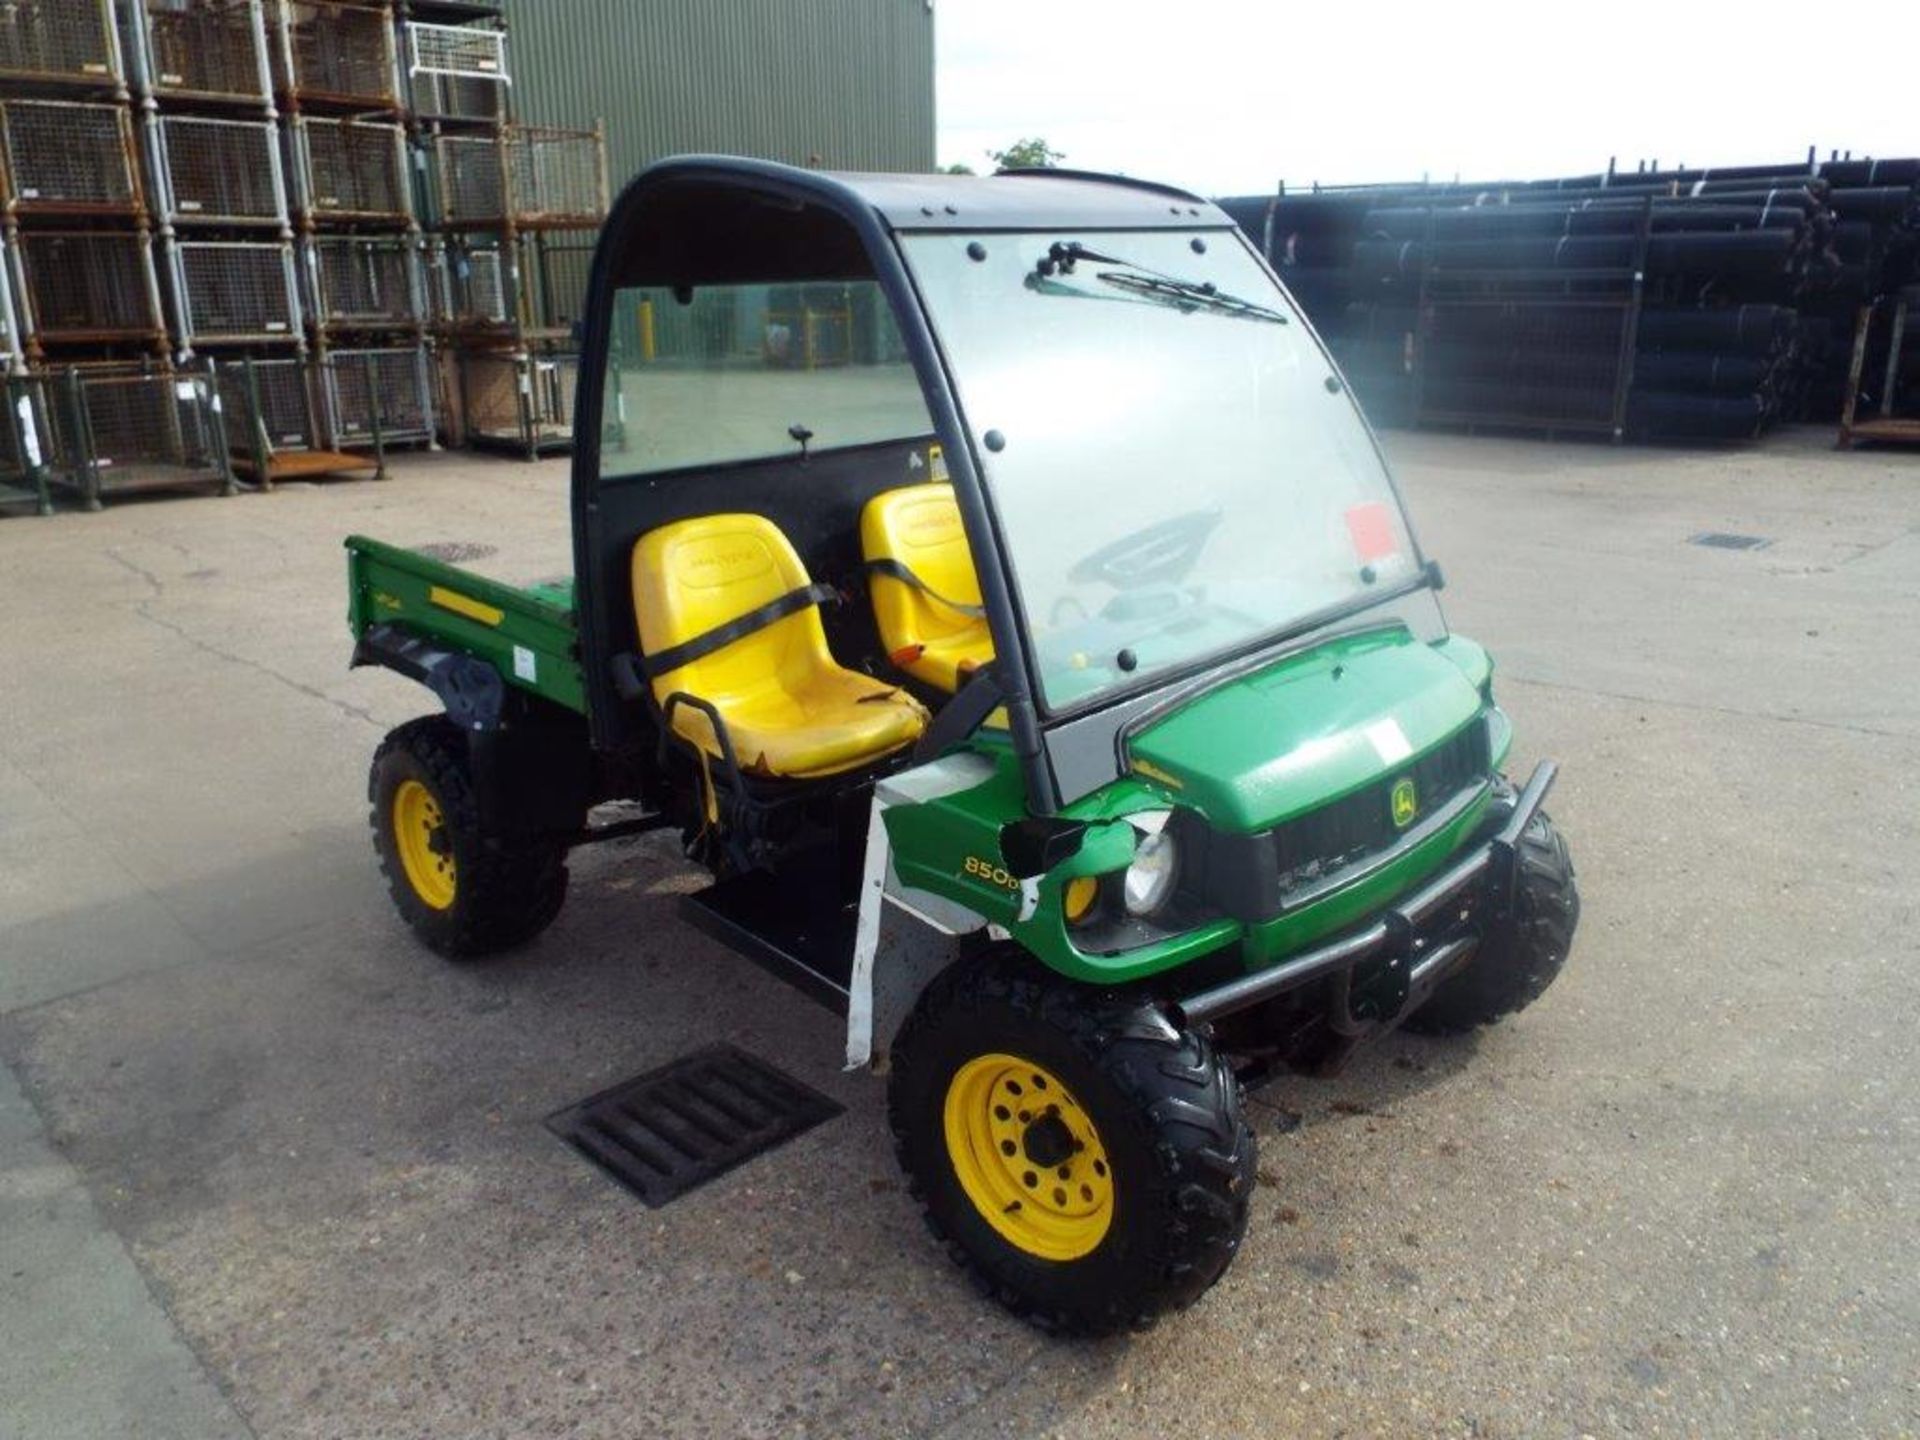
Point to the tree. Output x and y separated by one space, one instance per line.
957 169
1031 153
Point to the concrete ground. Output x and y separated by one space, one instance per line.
271 1169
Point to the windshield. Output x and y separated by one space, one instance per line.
1175 468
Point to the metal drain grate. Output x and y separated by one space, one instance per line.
1721 540
671 1129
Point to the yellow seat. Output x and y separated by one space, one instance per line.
787 707
933 629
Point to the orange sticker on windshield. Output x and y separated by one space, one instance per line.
1371 526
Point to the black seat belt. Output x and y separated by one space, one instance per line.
707 641
962 715
894 570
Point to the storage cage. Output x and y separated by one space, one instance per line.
471 287
272 423
1882 402
525 176
457 72
563 269
519 401
377 396
337 53
363 283
59 42
232 292
266 405
202 51
96 288
138 430
351 171
216 172
66 157
26 444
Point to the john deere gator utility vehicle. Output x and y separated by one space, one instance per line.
993 582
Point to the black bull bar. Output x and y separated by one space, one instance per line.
1404 938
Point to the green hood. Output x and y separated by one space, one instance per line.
1312 727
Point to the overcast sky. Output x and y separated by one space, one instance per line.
1230 96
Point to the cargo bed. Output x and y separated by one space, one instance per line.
526 633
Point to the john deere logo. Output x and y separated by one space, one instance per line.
1405 803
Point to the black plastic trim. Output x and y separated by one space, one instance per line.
473 692
1396 932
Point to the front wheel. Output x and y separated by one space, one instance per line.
464 892
1084 1159
1525 950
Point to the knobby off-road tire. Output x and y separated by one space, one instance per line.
1523 954
1160 1145
464 893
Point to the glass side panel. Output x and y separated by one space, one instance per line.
726 373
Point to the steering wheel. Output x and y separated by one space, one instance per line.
1158 554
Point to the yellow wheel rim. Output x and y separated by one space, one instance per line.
1029 1157
426 850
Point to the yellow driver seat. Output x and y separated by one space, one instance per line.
788 708
926 594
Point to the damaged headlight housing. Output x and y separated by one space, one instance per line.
1149 881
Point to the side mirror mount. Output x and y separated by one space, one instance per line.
1034 845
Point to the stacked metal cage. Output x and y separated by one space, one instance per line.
96 403
502 196
200 53
527 177
139 427
347 152
60 43
511 204
222 197
335 55
359 235
243 239
456 73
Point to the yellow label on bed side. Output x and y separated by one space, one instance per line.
466 605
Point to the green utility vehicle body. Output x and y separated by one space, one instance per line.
1212 771
1222 754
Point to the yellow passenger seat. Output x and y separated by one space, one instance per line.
926 595
727 614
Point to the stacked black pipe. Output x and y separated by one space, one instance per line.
1508 304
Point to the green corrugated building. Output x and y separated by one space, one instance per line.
845 84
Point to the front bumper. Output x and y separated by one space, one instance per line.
1415 943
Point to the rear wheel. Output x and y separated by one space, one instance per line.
464 892
1086 1161
1523 953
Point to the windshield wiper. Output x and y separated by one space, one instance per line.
1187 295
1153 285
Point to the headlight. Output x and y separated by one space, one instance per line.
1148 883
